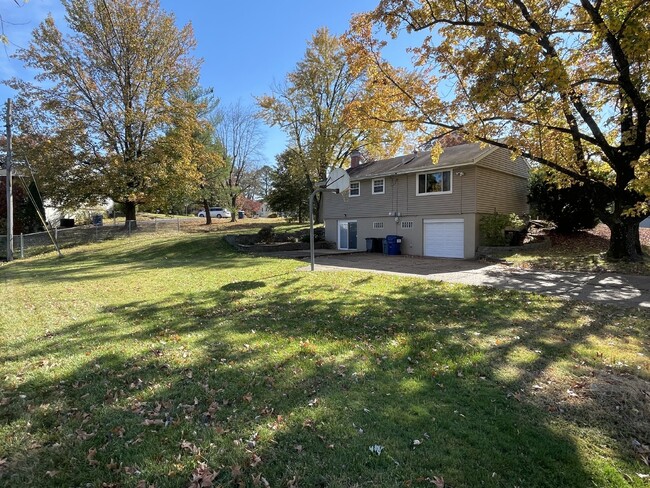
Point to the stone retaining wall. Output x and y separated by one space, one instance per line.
240 243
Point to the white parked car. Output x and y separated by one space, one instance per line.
218 212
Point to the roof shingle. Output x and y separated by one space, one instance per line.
451 156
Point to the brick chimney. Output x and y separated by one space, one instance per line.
355 158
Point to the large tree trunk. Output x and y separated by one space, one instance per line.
129 211
206 207
233 201
624 243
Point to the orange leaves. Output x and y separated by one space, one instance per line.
317 107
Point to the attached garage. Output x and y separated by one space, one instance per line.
444 238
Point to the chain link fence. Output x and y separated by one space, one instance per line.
26 245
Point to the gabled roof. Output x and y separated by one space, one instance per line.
421 161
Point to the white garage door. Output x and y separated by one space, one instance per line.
444 238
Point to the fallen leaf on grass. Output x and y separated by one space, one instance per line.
188 446
439 481
298 447
202 476
235 472
254 461
82 436
293 482
91 457
131 470
51 473
153 422
136 440
260 481
144 484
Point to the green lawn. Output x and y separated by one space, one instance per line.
160 360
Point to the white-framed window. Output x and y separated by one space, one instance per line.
434 182
355 189
378 186
377 225
407 224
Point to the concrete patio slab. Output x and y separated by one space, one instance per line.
606 288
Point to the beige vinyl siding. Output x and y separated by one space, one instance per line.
413 238
410 203
500 192
400 196
365 205
500 160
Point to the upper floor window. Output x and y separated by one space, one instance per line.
355 189
434 182
378 186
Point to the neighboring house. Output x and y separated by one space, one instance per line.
435 208
83 214
265 210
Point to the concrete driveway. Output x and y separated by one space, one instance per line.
606 288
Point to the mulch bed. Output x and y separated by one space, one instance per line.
596 238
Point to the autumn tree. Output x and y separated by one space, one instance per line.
191 140
561 82
310 108
189 146
238 132
248 205
103 96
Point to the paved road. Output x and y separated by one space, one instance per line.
606 288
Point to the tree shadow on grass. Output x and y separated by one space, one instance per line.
295 379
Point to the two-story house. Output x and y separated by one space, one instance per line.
436 208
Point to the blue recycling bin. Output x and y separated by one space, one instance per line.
393 245
240 214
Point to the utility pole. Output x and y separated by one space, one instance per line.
9 187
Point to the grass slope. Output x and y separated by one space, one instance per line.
582 251
173 361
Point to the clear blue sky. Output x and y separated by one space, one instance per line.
245 45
